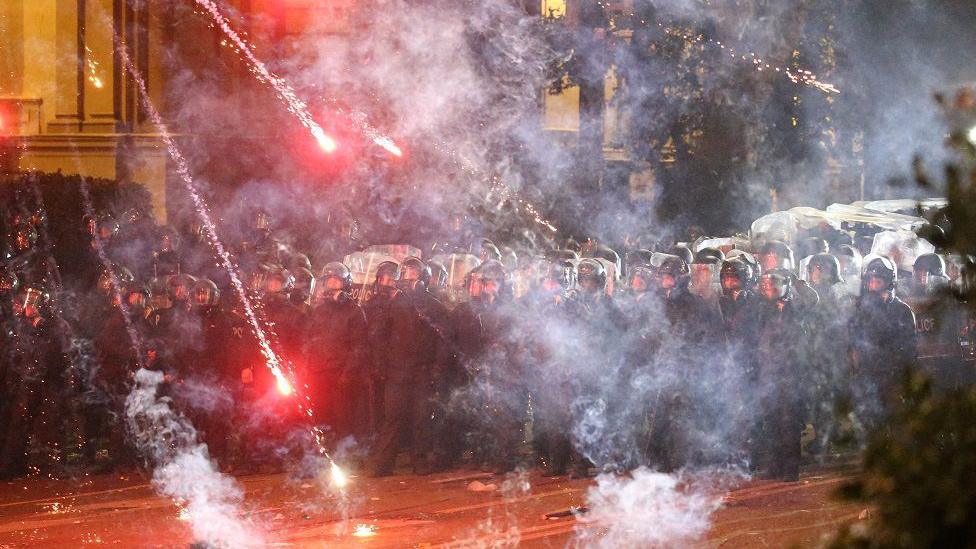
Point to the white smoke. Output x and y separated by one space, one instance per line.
501 527
209 501
646 509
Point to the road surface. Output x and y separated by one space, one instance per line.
401 511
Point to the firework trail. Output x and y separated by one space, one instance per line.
282 371
285 92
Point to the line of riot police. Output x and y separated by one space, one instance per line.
701 358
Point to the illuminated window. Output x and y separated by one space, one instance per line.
553 8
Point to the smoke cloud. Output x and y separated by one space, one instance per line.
648 509
183 468
457 85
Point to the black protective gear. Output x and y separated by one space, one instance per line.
673 273
782 375
739 270
489 251
279 282
180 288
883 268
709 255
776 255
932 233
490 282
684 252
297 261
884 345
639 258
604 252
387 275
340 271
387 270
675 266
159 293
775 285
304 285
136 297
592 271
644 272
334 347
205 293
413 269
829 268
930 264
438 275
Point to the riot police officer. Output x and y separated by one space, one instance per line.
781 376
491 356
883 343
938 322
406 362
828 325
334 351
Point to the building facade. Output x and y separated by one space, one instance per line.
67 102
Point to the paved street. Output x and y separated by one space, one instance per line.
401 511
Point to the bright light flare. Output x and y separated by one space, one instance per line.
364 531
972 135
284 387
389 145
339 477
325 142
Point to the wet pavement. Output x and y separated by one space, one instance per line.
400 511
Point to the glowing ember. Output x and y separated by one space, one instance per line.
56 508
93 69
284 387
364 530
339 477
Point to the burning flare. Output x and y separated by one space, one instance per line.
284 387
325 142
364 531
339 477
